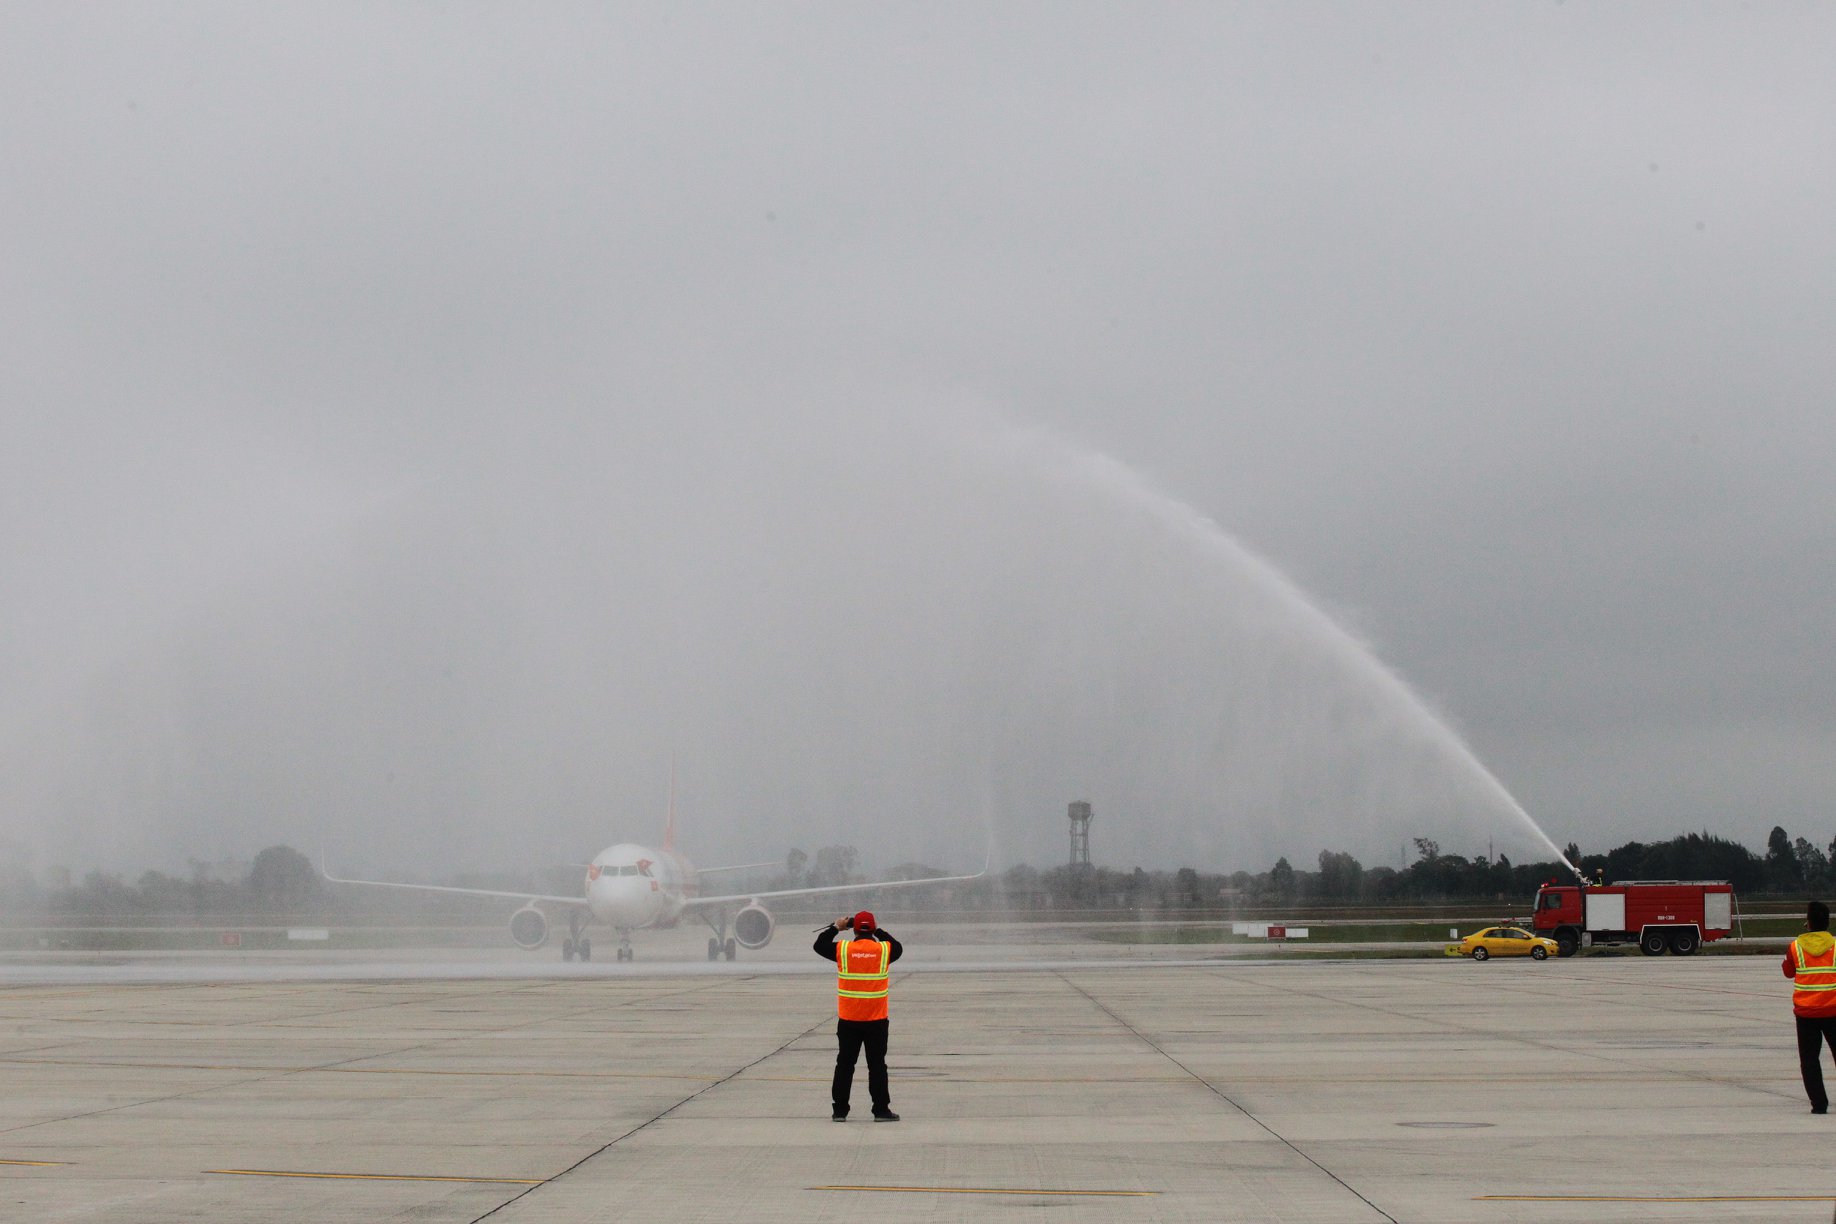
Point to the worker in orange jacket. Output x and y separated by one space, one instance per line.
1810 963
863 966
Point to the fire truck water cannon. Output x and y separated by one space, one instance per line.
1675 916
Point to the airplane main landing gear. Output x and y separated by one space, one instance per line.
721 944
576 943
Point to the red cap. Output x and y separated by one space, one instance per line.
863 921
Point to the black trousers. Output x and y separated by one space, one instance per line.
851 1035
1813 1031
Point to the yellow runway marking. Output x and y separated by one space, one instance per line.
288 1070
599 1075
950 1078
37 1164
1629 1076
612 1075
994 1190
1616 1198
407 1177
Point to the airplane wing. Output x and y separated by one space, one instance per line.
738 867
741 898
580 902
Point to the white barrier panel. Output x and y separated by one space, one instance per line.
1267 930
308 933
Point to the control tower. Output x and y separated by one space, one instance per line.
1080 836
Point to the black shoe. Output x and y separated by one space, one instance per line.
1820 1109
885 1115
839 1115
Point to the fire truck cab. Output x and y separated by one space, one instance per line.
1676 916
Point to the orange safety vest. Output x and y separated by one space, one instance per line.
864 976
1813 985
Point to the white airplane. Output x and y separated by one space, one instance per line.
633 888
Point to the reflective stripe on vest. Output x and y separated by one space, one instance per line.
863 978
1813 988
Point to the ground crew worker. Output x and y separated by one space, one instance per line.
1810 963
863 966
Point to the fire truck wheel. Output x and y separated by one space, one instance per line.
1683 943
1567 943
1652 943
1539 953
1480 954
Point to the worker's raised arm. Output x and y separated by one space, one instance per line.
825 943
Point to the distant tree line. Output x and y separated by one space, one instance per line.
1790 867
280 881
283 882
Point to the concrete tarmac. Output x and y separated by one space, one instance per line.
1599 1088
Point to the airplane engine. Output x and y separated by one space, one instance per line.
753 926
529 928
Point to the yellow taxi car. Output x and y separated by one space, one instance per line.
1503 941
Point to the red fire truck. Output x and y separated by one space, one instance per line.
1658 915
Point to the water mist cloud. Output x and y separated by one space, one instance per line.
895 627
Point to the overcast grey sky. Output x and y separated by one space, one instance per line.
421 421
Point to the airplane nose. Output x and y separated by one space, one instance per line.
624 895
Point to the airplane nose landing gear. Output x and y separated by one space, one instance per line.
624 946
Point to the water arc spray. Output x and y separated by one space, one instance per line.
1128 489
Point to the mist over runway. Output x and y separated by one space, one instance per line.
922 637
953 947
